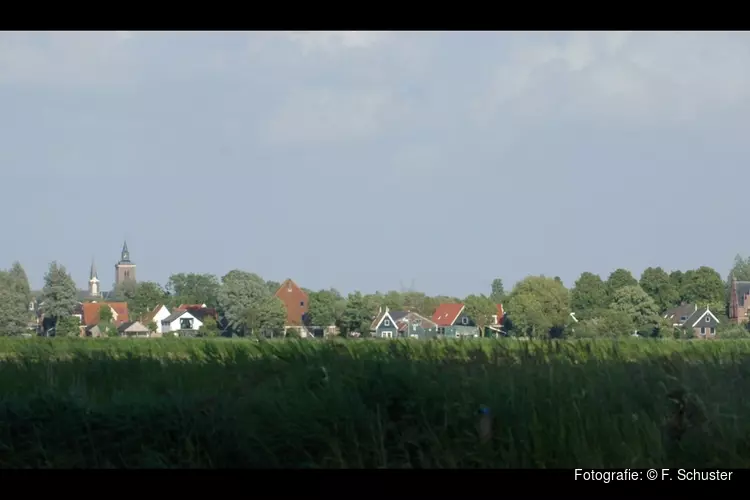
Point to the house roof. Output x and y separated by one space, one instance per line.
289 284
412 318
682 311
133 326
743 290
90 311
202 312
176 315
149 317
188 307
395 316
698 315
446 314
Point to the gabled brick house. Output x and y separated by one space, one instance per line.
739 301
295 301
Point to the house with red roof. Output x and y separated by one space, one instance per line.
452 321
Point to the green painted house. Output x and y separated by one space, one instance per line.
402 324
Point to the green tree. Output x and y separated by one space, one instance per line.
357 315
676 278
145 296
325 308
704 286
640 308
498 291
153 327
193 288
480 309
68 326
292 333
538 306
239 298
210 328
588 296
656 283
105 314
21 285
740 269
14 308
59 294
273 286
271 317
618 279
609 323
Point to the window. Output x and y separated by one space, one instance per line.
683 318
386 322
703 331
708 318
465 320
186 323
302 303
713 331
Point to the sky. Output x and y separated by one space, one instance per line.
374 160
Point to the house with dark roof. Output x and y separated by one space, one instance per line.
453 321
404 324
680 314
702 323
180 322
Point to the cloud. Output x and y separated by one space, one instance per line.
64 59
330 41
631 76
324 115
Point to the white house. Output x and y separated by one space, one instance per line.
180 320
157 315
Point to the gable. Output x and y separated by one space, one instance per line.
386 322
702 318
295 301
446 314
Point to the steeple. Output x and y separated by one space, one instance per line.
93 281
92 274
125 256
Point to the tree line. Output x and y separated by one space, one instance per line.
537 306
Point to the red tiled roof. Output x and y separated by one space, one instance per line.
446 314
500 313
91 312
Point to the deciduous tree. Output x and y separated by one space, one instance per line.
618 279
239 298
498 291
480 309
537 305
588 296
656 283
194 288
639 307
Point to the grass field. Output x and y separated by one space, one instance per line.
396 404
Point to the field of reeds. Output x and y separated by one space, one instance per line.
373 404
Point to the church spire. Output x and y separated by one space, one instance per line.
125 256
92 274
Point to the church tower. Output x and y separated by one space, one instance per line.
93 281
125 269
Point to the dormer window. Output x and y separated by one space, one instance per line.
683 318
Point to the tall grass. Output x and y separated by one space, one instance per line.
397 404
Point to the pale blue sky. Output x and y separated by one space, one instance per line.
366 161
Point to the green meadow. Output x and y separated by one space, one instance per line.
166 403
